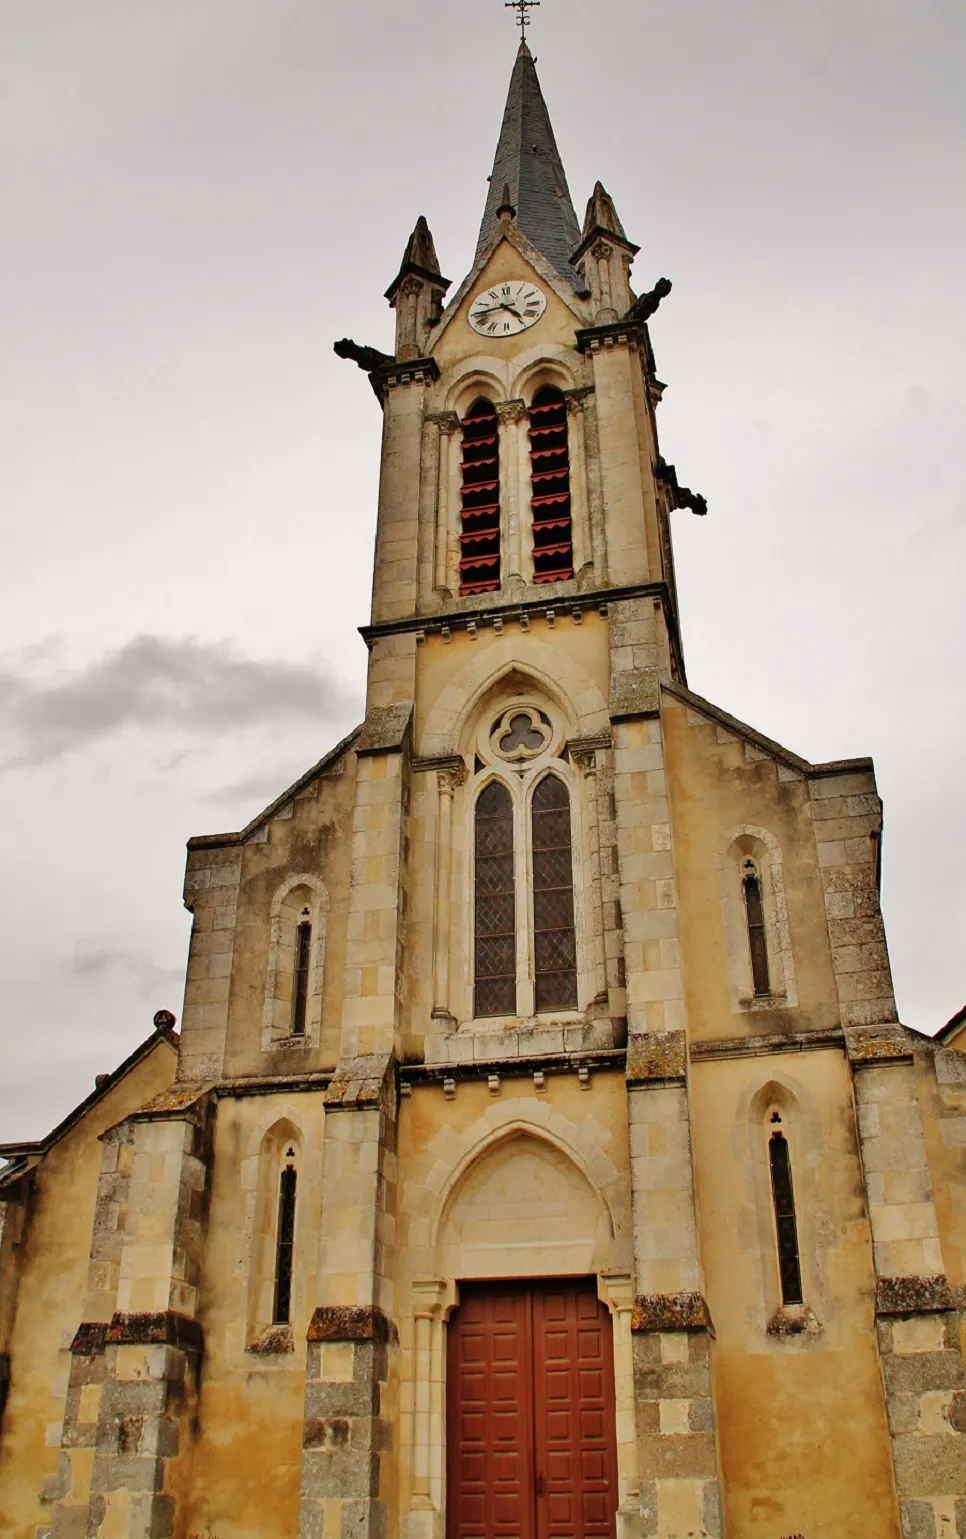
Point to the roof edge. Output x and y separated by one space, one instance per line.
41 1146
759 740
219 841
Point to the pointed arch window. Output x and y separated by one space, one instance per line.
755 917
300 983
495 991
789 1262
480 532
285 1245
553 541
555 944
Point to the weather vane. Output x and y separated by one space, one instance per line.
523 6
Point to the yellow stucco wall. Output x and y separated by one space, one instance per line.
802 1424
53 1278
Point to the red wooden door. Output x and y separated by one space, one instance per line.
531 1434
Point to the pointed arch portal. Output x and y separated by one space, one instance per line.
531 1430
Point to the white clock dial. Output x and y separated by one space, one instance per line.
507 309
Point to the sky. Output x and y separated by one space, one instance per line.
199 199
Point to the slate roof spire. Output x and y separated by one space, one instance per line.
528 161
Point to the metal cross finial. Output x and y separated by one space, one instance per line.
523 6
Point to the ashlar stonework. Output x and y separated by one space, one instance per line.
553 979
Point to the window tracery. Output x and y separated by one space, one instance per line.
524 922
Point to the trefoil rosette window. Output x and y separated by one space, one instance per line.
480 531
553 541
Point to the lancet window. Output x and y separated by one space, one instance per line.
480 531
554 939
755 917
300 988
553 543
495 926
285 1244
524 897
786 1226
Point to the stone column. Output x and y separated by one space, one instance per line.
12 1219
373 971
446 511
917 1320
676 1441
579 499
448 777
132 1394
347 1436
513 482
427 1298
583 751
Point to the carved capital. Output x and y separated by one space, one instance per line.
411 287
449 778
447 421
601 249
427 1297
511 411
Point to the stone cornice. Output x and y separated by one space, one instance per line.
916 1296
765 1046
352 1322
670 1312
624 333
411 371
161 1328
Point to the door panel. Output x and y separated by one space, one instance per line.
531 1414
574 1413
490 1417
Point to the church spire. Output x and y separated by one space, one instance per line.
528 161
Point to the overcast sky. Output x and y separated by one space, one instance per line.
200 196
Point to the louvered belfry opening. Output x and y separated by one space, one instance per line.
496 915
553 541
480 535
554 942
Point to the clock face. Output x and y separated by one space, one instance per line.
507 309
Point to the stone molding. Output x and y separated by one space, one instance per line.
157 1328
352 1322
656 1056
915 1296
360 1084
635 693
384 729
878 1044
617 334
670 1312
89 1339
414 371
765 1046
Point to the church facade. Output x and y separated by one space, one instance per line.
541 1154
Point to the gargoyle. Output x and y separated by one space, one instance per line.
368 358
643 308
681 496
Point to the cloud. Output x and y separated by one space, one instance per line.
93 966
159 682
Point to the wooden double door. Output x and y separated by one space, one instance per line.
531 1436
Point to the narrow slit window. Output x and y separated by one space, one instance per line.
300 992
495 919
755 914
286 1247
480 532
554 941
789 1264
553 541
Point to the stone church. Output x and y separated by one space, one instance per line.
540 1155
